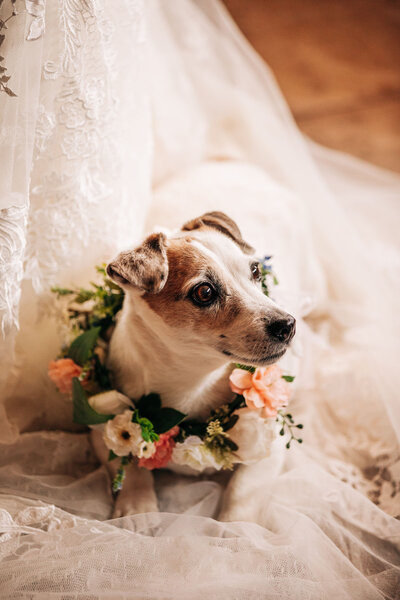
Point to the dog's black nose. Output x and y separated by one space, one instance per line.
282 329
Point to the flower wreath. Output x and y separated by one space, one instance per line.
240 431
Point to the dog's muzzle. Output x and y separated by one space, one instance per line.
282 330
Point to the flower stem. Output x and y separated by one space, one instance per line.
120 475
288 425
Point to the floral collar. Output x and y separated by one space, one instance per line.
143 430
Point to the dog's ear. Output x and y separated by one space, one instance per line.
145 268
224 224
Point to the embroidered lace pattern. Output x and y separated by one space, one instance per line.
85 128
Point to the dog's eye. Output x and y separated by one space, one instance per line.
255 271
204 294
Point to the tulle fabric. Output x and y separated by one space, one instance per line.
327 548
315 522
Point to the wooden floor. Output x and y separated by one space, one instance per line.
338 65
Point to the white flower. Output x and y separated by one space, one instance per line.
146 449
195 454
253 436
122 436
109 403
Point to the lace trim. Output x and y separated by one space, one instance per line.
379 482
72 198
12 247
35 8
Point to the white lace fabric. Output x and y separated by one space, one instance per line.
112 101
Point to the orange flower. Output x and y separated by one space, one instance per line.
162 455
62 372
264 390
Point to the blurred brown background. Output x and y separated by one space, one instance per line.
338 65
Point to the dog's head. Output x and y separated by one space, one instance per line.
204 284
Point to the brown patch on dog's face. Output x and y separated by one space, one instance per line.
144 268
222 223
175 303
231 320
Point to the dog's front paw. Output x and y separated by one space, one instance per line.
134 504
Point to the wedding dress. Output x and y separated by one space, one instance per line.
132 115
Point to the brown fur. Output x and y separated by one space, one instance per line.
185 262
146 267
221 222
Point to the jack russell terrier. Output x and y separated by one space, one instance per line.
193 305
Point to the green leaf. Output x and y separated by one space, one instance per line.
149 405
112 455
194 428
288 378
61 291
154 437
84 296
82 347
231 444
167 418
231 422
245 368
101 374
237 402
145 434
148 433
84 414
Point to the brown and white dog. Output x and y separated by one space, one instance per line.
193 305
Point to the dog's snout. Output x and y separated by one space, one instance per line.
282 329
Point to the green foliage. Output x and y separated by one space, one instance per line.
225 415
119 478
214 431
287 426
101 374
192 427
61 291
84 414
230 422
112 455
267 274
288 378
82 347
106 298
245 368
163 419
148 433
219 443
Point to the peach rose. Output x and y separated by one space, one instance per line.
264 390
163 451
62 372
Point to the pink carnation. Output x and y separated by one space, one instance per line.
62 372
163 451
263 390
